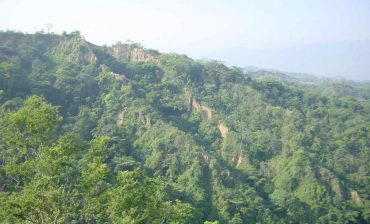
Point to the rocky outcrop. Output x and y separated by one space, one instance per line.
239 161
117 76
134 53
75 50
121 117
329 178
223 130
356 197
147 120
86 54
207 113
190 104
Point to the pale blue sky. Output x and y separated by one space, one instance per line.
209 28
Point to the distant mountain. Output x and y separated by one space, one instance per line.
347 59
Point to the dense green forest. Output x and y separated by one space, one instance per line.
125 134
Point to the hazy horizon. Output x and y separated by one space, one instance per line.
347 59
328 38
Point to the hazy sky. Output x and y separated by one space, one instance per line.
207 28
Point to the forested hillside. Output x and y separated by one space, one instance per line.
328 86
125 134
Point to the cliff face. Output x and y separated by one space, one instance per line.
75 50
131 52
86 54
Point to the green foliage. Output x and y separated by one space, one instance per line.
88 138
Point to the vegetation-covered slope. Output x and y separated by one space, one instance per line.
328 86
123 134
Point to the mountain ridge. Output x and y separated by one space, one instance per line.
114 134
